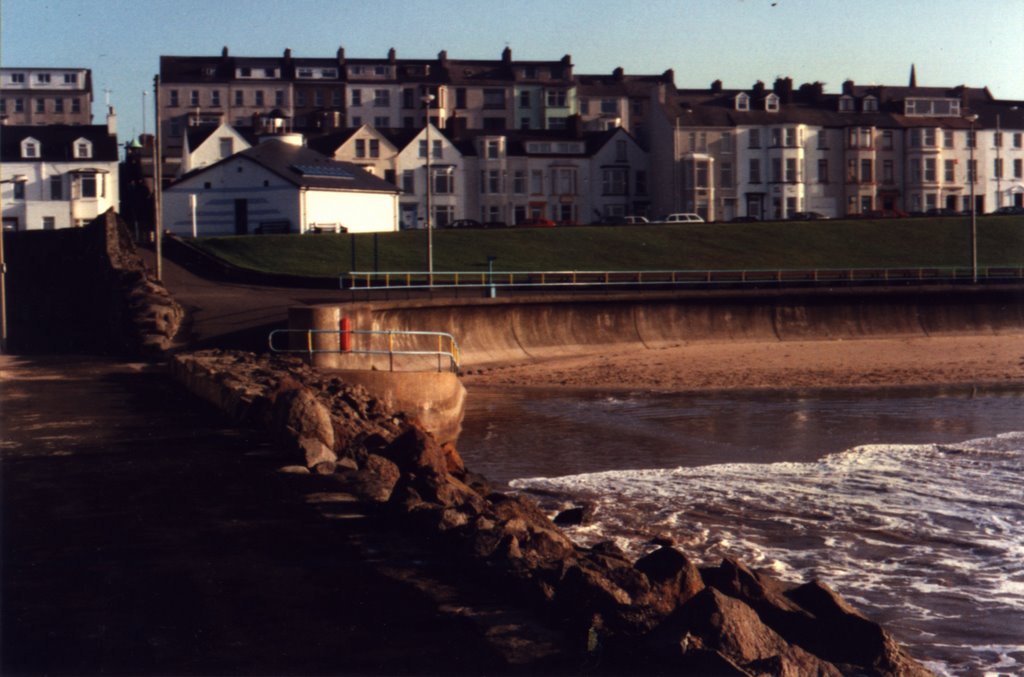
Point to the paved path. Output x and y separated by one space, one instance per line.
141 534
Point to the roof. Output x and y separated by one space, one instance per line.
197 134
56 142
305 168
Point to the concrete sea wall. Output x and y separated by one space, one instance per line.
537 327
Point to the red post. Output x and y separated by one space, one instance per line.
346 335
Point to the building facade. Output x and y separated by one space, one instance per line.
57 176
46 96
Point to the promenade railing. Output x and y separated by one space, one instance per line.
426 346
677 278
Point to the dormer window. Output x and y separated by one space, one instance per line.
82 149
870 105
742 102
30 148
771 103
846 104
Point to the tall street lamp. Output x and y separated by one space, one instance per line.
972 172
427 100
17 180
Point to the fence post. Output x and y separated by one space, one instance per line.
391 350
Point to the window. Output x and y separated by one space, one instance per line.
524 98
754 171
929 138
609 107
173 94
19 190
972 170
423 148
408 181
822 170
29 148
949 171
300 98
19 105
357 97
997 139
621 151
460 97
519 182
437 149
776 137
381 121
215 97
57 187
701 174
493 150
915 138
888 173
537 182
640 179
490 181
614 181
245 72
584 105
360 148
972 139
742 102
40 105
851 170
337 97
375 148
88 185
563 180
947 138
83 149
259 97
76 105
444 180
755 138
524 122
43 77
193 97
725 144
443 215
790 137
725 174
239 97
18 78
771 103
494 99
227 146
846 104
870 104
1018 169
867 173
318 98
776 169
381 98
555 98
49 223
997 168
1018 139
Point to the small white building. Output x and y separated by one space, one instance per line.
206 144
279 186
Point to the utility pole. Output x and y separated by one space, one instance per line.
157 182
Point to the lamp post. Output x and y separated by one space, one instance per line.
427 100
21 180
972 172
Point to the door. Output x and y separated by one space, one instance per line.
241 216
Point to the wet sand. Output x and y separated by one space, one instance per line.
945 360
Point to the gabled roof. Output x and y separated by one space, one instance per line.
304 168
197 134
56 143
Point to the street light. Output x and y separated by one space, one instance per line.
972 172
19 180
428 99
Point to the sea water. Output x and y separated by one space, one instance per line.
909 503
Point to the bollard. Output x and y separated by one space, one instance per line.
346 335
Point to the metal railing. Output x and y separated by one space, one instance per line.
396 343
682 278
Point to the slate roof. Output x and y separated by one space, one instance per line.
56 143
288 161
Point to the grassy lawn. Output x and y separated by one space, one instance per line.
885 243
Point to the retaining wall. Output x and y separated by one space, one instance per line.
509 329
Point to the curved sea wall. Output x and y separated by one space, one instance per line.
517 328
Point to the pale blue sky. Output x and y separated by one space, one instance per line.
973 42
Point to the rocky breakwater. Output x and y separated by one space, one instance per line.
660 614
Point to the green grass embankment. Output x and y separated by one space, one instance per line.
920 242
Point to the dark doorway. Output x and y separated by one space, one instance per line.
241 216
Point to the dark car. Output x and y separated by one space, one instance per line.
537 222
809 216
465 223
1011 210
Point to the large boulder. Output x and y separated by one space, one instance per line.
673 578
303 423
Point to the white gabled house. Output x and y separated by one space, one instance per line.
279 185
207 144
57 176
448 176
619 171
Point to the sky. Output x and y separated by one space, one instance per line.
979 43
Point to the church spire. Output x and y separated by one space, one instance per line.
913 76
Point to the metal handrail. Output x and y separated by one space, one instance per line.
452 353
586 278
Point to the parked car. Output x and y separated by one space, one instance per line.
465 223
636 220
682 217
537 222
809 216
1009 210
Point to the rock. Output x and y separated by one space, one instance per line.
301 421
415 451
674 579
574 516
714 623
453 460
293 470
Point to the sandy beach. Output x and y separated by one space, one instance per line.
962 360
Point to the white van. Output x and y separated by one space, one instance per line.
682 218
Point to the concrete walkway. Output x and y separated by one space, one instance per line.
141 534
